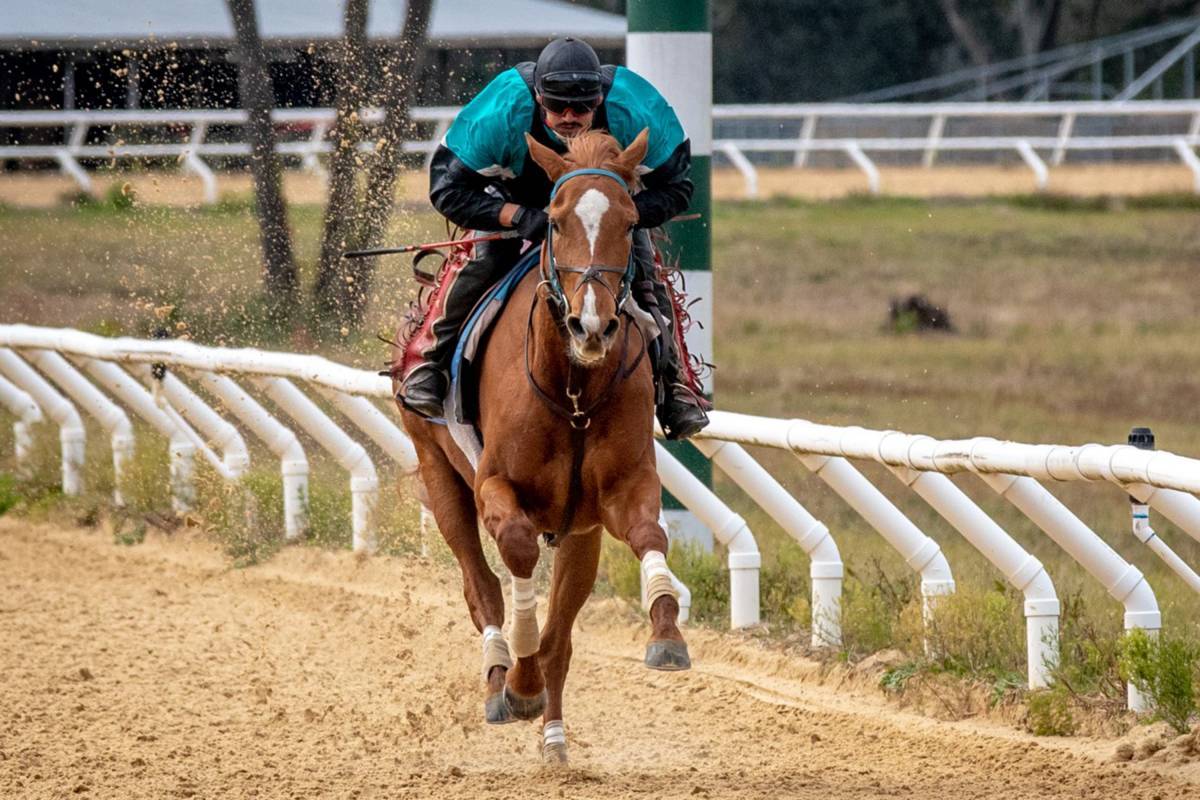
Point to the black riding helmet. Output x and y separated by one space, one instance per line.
568 74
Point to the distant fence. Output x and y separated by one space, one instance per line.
42 376
864 136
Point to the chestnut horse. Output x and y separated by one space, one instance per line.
566 413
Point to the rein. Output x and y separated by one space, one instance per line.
577 416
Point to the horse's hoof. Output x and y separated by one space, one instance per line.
524 707
669 655
554 754
495 710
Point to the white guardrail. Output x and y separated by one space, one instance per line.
1041 135
151 379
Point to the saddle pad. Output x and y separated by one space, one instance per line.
462 398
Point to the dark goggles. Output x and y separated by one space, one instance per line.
578 91
556 106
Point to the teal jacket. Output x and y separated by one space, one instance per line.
484 162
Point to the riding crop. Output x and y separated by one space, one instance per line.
413 248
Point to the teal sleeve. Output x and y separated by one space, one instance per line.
488 133
633 104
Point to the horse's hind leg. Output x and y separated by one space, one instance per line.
517 539
632 514
575 566
453 505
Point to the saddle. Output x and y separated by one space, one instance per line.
462 409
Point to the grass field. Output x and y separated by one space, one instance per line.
1075 320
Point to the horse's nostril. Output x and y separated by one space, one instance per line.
575 327
610 329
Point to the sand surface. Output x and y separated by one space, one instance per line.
157 670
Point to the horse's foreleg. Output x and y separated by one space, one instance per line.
516 539
453 506
575 566
633 515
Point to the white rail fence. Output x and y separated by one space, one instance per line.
1040 135
41 377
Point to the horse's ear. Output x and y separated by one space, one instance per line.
627 163
554 165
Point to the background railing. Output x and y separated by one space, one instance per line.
747 137
42 376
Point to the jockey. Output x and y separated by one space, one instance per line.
482 178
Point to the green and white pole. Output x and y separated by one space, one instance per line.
670 44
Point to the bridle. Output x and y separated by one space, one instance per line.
591 273
579 416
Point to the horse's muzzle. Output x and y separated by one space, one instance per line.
588 344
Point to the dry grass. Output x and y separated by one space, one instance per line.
47 189
824 183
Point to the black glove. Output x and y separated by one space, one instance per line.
531 223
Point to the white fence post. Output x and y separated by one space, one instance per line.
1022 570
28 414
1033 160
1123 581
743 165
281 441
728 528
181 447
71 433
193 410
110 416
825 567
364 482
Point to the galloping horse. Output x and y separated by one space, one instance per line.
566 413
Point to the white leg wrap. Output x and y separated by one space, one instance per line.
495 651
656 579
524 631
554 733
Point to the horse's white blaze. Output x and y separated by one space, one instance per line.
590 210
590 319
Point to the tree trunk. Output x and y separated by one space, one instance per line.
333 291
401 77
965 33
279 266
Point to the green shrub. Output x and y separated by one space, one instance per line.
120 196
702 572
9 496
896 679
706 577
1164 668
1050 712
873 605
977 632
785 589
1089 649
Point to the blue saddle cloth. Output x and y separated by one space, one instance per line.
462 399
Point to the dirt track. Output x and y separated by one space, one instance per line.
158 671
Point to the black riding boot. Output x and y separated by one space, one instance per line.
680 412
424 387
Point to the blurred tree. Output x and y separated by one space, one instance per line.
343 286
279 265
341 212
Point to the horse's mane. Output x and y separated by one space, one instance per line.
593 149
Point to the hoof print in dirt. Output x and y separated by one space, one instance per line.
668 655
